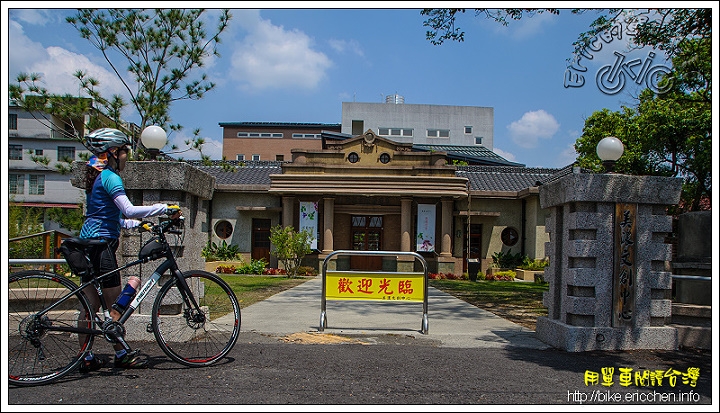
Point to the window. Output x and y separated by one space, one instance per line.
395 132
279 158
353 157
478 140
39 152
17 183
66 153
259 135
468 130
37 184
438 133
16 152
384 157
223 229
12 121
256 157
240 157
358 127
306 136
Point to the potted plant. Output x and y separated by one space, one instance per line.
505 261
532 269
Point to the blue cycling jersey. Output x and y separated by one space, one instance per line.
102 215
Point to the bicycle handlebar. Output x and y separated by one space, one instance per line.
172 226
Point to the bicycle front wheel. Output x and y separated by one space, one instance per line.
196 336
43 348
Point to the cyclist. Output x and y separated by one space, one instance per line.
107 210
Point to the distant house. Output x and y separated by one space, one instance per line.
270 141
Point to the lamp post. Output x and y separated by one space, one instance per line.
609 150
153 139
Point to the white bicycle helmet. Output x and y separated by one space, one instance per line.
101 140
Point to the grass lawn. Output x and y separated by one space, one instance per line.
251 289
519 302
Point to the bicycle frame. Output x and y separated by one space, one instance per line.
169 264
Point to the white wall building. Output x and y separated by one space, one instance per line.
33 183
421 124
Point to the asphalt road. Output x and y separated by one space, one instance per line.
377 370
372 355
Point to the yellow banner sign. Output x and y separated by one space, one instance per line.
392 286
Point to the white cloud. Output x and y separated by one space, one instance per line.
507 155
350 46
56 65
567 156
532 127
270 57
211 147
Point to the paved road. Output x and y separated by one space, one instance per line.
374 354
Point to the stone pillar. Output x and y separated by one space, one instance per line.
288 211
446 228
149 182
404 262
405 224
609 284
328 219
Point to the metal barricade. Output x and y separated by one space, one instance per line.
406 284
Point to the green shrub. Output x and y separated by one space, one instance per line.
501 276
507 259
305 271
534 265
222 252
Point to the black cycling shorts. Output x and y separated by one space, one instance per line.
108 262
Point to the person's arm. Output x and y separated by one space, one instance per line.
132 211
129 223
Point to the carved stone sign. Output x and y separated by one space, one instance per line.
625 266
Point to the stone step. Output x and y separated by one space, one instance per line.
692 314
693 323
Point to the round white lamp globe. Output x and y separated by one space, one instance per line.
610 149
153 137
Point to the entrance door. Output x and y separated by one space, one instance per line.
261 239
366 236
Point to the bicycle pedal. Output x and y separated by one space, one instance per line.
149 328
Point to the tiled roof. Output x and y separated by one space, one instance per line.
476 154
240 172
504 178
481 178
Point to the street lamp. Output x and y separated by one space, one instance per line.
153 139
609 150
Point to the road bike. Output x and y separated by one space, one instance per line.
195 315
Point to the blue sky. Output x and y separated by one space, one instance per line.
299 65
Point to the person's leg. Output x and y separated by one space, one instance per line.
111 291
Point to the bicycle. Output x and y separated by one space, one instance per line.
195 315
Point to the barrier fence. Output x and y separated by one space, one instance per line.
403 286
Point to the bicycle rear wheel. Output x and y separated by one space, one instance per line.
196 338
44 348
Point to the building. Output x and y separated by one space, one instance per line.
368 192
421 124
42 148
35 145
270 141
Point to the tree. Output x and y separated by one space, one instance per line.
161 48
290 247
668 134
665 31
